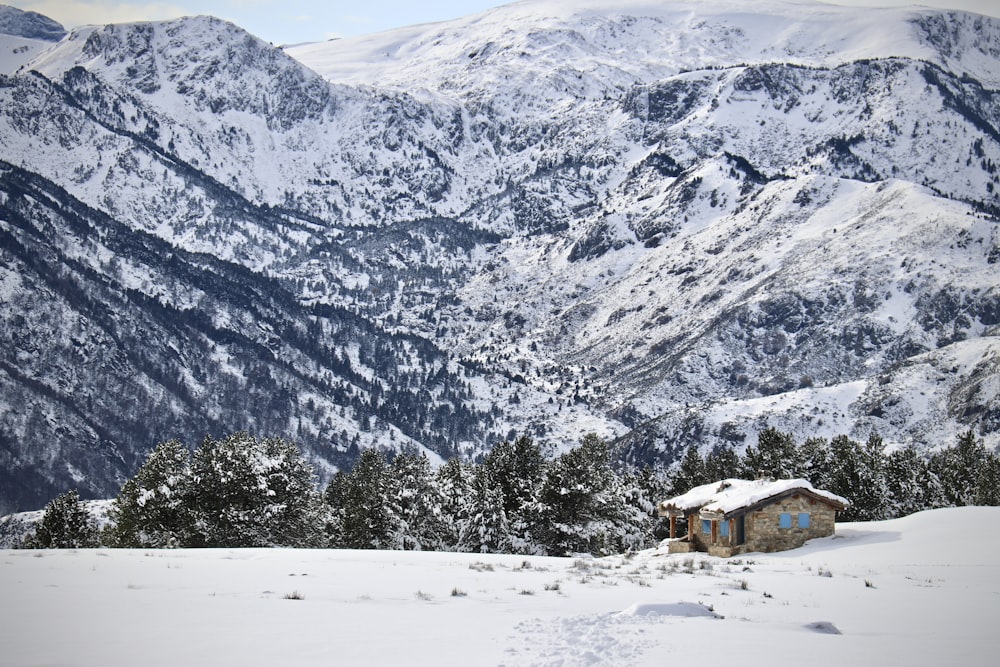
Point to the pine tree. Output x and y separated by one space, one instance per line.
654 485
517 469
577 503
775 455
988 481
722 463
930 484
334 497
906 482
858 473
846 476
153 509
958 469
415 502
65 524
640 521
690 473
814 458
487 529
367 521
254 493
453 482
873 495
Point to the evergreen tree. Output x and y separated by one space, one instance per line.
858 473
932 490
988 480
367 521
722 463
453 482
153 509
873 495
517 469
654 485
814 459
581 508
846 475
958 468
639 528
487 529
690 473
334 497
775 456
415 502
906 482
250 492
65 524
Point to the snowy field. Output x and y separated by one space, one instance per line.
924 590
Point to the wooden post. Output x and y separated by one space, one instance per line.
673 526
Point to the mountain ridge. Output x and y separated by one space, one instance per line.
759 33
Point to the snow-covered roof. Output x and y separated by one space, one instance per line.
733 494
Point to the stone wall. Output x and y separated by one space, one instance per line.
698 539
764 531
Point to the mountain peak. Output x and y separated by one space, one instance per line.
31 25
199 60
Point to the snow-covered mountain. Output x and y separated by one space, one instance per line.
23 35
15 22
661 221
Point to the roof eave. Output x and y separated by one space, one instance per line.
673 510
753 507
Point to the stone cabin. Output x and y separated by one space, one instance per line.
737 515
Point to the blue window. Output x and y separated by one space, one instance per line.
804 520
706 526
723 528
785 520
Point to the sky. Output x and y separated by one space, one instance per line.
298 21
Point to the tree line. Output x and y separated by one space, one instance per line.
245 491
878 484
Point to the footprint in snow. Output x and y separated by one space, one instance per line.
597 639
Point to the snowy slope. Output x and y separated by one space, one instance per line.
23 36
645 40
16 51
893 591
668 222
